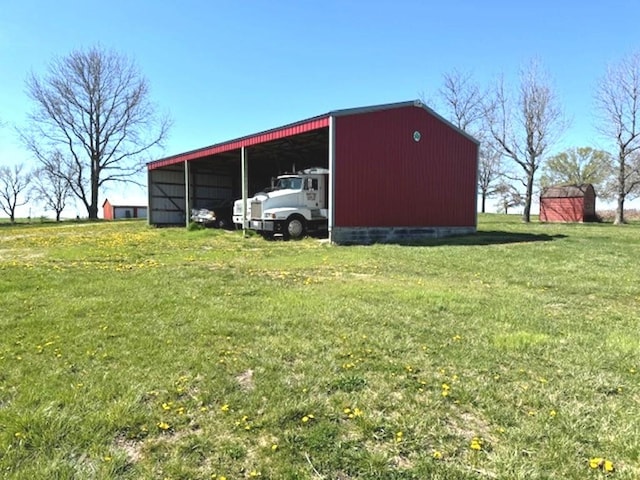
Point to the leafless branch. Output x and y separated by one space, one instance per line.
617 101
526 124
14 182
94 104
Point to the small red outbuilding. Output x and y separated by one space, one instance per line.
568 203
113 212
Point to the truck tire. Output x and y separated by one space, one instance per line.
296 227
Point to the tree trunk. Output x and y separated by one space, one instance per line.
619 220
484 197
93 207
526 213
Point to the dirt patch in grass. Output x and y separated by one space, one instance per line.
131 448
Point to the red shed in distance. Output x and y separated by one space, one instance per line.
568 203
114 212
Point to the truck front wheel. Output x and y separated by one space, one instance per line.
295 227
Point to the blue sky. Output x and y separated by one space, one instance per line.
223 69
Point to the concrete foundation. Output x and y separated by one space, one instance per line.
399 235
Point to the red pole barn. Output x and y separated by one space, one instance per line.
568 203
397 173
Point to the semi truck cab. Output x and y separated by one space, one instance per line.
297 204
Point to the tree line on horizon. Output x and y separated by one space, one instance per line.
93 123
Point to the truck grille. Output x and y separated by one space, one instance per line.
256 209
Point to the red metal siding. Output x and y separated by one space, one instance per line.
107 210
270 135
384 178
562 209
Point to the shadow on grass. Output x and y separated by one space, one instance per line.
491 237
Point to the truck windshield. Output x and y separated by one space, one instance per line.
289 183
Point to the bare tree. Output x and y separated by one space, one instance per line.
578 166
51 184
611 188
95 105
526 126
618 104
463 102
489 172
14 183
508 196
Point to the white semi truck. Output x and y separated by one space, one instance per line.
297 203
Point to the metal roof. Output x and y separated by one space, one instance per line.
302 126
566 191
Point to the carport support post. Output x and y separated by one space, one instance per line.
244 167
187 195
332 169
149 198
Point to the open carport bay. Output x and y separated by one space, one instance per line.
213 179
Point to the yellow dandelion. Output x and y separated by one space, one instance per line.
225 407
163 426
305 419
553 413
446 390
595 462
476 444
608 466
437 455
274 447
399 436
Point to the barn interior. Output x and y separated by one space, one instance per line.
215 180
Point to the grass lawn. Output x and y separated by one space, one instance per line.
141 353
